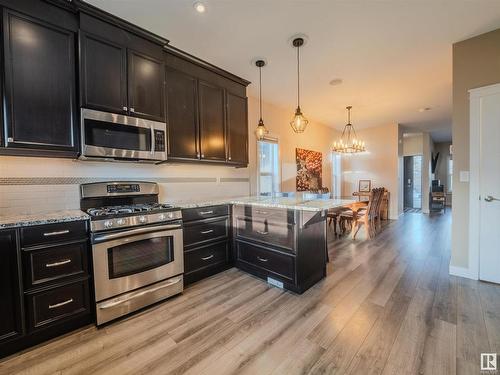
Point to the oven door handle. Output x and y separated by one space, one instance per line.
139 294
112 236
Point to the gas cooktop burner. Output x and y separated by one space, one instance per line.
129 209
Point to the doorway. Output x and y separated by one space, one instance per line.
413 183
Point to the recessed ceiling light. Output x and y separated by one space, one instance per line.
336 81
200 7
424 109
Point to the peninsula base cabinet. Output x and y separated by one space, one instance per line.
287 248
45 283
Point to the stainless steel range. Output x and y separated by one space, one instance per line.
137 246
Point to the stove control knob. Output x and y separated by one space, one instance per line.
108 224
170 215
142 219
162 217
120 222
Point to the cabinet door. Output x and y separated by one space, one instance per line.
146 82
237 129
212 124
103 74
40 84
11 313
182 115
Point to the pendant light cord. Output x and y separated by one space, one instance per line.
298 77
260 92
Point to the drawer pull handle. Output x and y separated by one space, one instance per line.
262 259
261 212
60 304
58 233
60 263
262 232
208 257
206 212
206 231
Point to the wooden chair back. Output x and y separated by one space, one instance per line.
374 202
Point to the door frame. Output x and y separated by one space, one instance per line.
475 96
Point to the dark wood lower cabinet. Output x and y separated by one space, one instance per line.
55 296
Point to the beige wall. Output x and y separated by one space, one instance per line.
380 164
476 63
413 144
317 137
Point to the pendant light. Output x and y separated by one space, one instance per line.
299 122
349 143
261 130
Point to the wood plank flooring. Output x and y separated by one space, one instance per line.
387 306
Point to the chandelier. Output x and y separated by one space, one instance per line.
348 142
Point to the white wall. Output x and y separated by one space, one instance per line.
380 164
413 144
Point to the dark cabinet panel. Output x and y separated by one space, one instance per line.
237 129
199 213
103 74
206 230
11 321
182 115
39 84
206 256
146 80
212 122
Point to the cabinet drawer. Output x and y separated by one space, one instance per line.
54 263
208 230
51 233
204 212
266 231
206 256
273 261
280 215
56 304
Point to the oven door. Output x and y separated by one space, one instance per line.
112 136
130 259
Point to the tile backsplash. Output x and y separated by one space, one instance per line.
33 185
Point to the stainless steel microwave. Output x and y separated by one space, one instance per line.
109 136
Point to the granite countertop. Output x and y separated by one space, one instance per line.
293 203
12 221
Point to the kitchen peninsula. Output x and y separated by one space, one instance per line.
279 239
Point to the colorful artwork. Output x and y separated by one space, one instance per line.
309 169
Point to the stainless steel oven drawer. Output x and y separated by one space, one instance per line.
126 303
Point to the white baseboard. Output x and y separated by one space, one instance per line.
462 272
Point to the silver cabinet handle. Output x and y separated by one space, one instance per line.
60 304
132 110
489 198
261 212
202 156
208 257
125 108
262 259
57 233
138 294
229 158
153 140
206 231
60 263
206 212
262 232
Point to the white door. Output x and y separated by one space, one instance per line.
489 185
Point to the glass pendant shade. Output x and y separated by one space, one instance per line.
349 143
261 130
299 122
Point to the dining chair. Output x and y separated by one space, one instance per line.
366 217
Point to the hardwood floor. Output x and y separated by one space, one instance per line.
388 306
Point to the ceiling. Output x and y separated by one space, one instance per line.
394 56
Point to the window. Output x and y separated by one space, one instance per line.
450 174
336 175
268 166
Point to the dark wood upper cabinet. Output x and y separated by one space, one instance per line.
103 74
11 313
40 86
237 129
146 81
182 115
212 121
